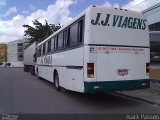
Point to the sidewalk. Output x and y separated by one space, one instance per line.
151 95
155 73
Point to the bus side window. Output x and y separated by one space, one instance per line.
44 48
37 51
68 37
73 34
40 51
49 46
56 43
60 41
80 31
52 44
64 38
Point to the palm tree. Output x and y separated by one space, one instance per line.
40 31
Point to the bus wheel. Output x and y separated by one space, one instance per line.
56 82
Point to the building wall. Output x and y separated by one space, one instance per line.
153 17
152 14
15 53
3 52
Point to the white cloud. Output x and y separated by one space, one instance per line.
2 2
10 11
10 30
55 13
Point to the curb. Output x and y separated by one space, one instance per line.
155 80
140 99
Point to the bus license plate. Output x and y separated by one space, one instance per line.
122 72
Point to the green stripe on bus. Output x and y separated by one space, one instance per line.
108 86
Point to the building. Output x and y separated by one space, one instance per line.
15 53
153 18
3 52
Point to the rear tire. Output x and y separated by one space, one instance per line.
56 82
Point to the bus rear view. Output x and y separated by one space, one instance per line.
116 51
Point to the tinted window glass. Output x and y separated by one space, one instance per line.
64 37
49 46
44 48
80 31
37 52
52 44
55 42
60 40
68 37
73 34
40 50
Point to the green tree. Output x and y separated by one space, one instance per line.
39 32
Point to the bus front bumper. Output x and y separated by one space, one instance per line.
109 86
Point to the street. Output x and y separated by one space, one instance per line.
21 92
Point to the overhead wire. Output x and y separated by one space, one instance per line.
73 13
137 4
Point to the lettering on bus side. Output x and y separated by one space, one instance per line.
48 59
119 21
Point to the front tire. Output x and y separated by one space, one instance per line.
56 82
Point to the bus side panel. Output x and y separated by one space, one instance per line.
46 72
69 65
90 57
71 79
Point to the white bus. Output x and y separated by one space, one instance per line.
102 49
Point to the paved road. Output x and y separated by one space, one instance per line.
22 93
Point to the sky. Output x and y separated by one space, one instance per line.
15 13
